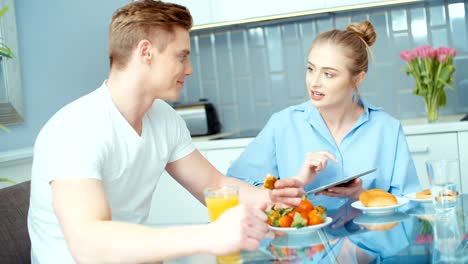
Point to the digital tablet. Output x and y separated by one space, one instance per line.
342 181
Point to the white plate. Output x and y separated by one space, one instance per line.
385 210
367 219
302 230
412 197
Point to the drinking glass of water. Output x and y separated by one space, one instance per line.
444 176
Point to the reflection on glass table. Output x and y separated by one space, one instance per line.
406 236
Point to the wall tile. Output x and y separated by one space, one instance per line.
437 15
262 114
260 79
240 53
225 72
418 26
308 33
256 36
295 63
458 26
206 55
290 33
229 117
246 103
399 20
461 83
439 37
341 22
210 92
275 48
279 91
383 44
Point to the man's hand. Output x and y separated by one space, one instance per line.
351 189
314 162
288 192
239 228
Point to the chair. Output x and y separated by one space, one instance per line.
15 245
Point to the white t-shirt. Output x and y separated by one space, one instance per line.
89 138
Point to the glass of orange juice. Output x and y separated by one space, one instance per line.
218 200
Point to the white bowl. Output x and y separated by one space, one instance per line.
302 230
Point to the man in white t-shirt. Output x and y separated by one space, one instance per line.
98 160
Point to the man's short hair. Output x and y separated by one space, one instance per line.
144 19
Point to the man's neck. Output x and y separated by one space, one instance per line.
128 95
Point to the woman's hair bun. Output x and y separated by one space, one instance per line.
365 30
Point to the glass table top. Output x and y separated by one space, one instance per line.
405 236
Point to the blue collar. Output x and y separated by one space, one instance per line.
313 117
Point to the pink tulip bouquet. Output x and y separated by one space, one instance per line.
433 71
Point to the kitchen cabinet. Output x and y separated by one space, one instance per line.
200 9
432 147
212 13
344 3
174 205
228 10
223 158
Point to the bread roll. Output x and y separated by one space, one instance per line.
424 194
447 195
377 198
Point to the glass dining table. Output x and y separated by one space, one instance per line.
414 233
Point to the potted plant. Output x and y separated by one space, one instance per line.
433 71
5 52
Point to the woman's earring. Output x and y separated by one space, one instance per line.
355 97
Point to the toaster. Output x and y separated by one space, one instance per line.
201 117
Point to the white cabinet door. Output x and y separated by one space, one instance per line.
173 204
223 158
228 10
340 3
463 157
430 147
200 10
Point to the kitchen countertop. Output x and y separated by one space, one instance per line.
445 124
416 126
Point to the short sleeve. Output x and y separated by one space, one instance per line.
258 159
68 151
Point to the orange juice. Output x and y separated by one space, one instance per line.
218 204
218 200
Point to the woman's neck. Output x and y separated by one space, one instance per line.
341 121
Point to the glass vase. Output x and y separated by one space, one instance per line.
432 109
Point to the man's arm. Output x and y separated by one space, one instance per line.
85 218
196 173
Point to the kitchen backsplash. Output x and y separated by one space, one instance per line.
251 71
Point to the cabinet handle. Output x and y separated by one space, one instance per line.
424 149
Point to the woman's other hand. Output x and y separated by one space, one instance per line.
314 162
351 189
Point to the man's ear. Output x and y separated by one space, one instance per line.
360 78
144 48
